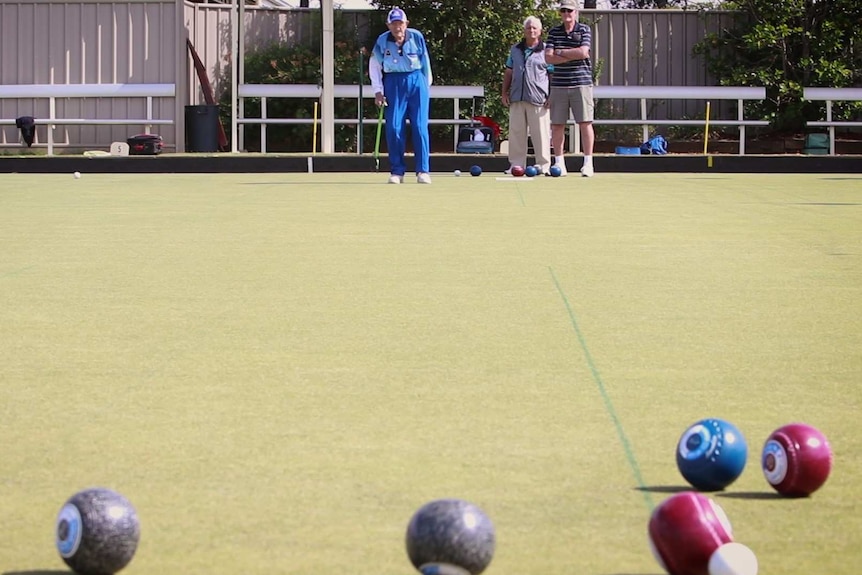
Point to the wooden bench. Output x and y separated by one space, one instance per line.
54 92
830 95
313 91
651 93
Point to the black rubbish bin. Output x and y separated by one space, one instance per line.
202 128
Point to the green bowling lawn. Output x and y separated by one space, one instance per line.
279 369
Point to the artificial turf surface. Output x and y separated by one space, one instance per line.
279 369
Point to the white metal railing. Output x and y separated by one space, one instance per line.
830 95
648 93
54 92
313 91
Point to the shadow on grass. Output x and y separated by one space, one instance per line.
762 495
339 183
824 204
665 488
750 495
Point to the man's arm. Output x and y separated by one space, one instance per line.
507 85
375 72
426 59
561 55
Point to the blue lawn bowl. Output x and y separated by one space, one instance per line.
628 151
556 171
711 454
475 171
530 171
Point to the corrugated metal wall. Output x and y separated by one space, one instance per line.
88 42
140 41
654 48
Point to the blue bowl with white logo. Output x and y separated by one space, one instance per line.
711 454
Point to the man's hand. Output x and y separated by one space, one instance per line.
379 99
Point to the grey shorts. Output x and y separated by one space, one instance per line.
578 99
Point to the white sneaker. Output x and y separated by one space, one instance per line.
587 171
563 171
423 178
395 179
508 171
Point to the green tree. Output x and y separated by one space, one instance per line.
785 46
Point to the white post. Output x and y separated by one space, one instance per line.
263 125
234 79
456 110
181 55
240 140
327 97
52 113
149 127
645 128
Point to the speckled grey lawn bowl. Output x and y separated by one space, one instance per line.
97 532
450 537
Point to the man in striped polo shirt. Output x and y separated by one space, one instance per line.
568 49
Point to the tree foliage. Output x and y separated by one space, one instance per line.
786 45
297 64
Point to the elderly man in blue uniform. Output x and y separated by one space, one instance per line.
568 49
400 72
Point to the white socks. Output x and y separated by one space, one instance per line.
561 161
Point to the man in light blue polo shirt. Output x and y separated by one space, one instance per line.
400 72
525 92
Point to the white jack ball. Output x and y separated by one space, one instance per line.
733 559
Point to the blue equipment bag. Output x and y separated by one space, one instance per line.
656 146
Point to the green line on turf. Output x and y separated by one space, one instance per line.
609 406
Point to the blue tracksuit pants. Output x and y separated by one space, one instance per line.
407 97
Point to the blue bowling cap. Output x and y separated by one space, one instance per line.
396 15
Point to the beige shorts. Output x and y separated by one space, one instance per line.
578 99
